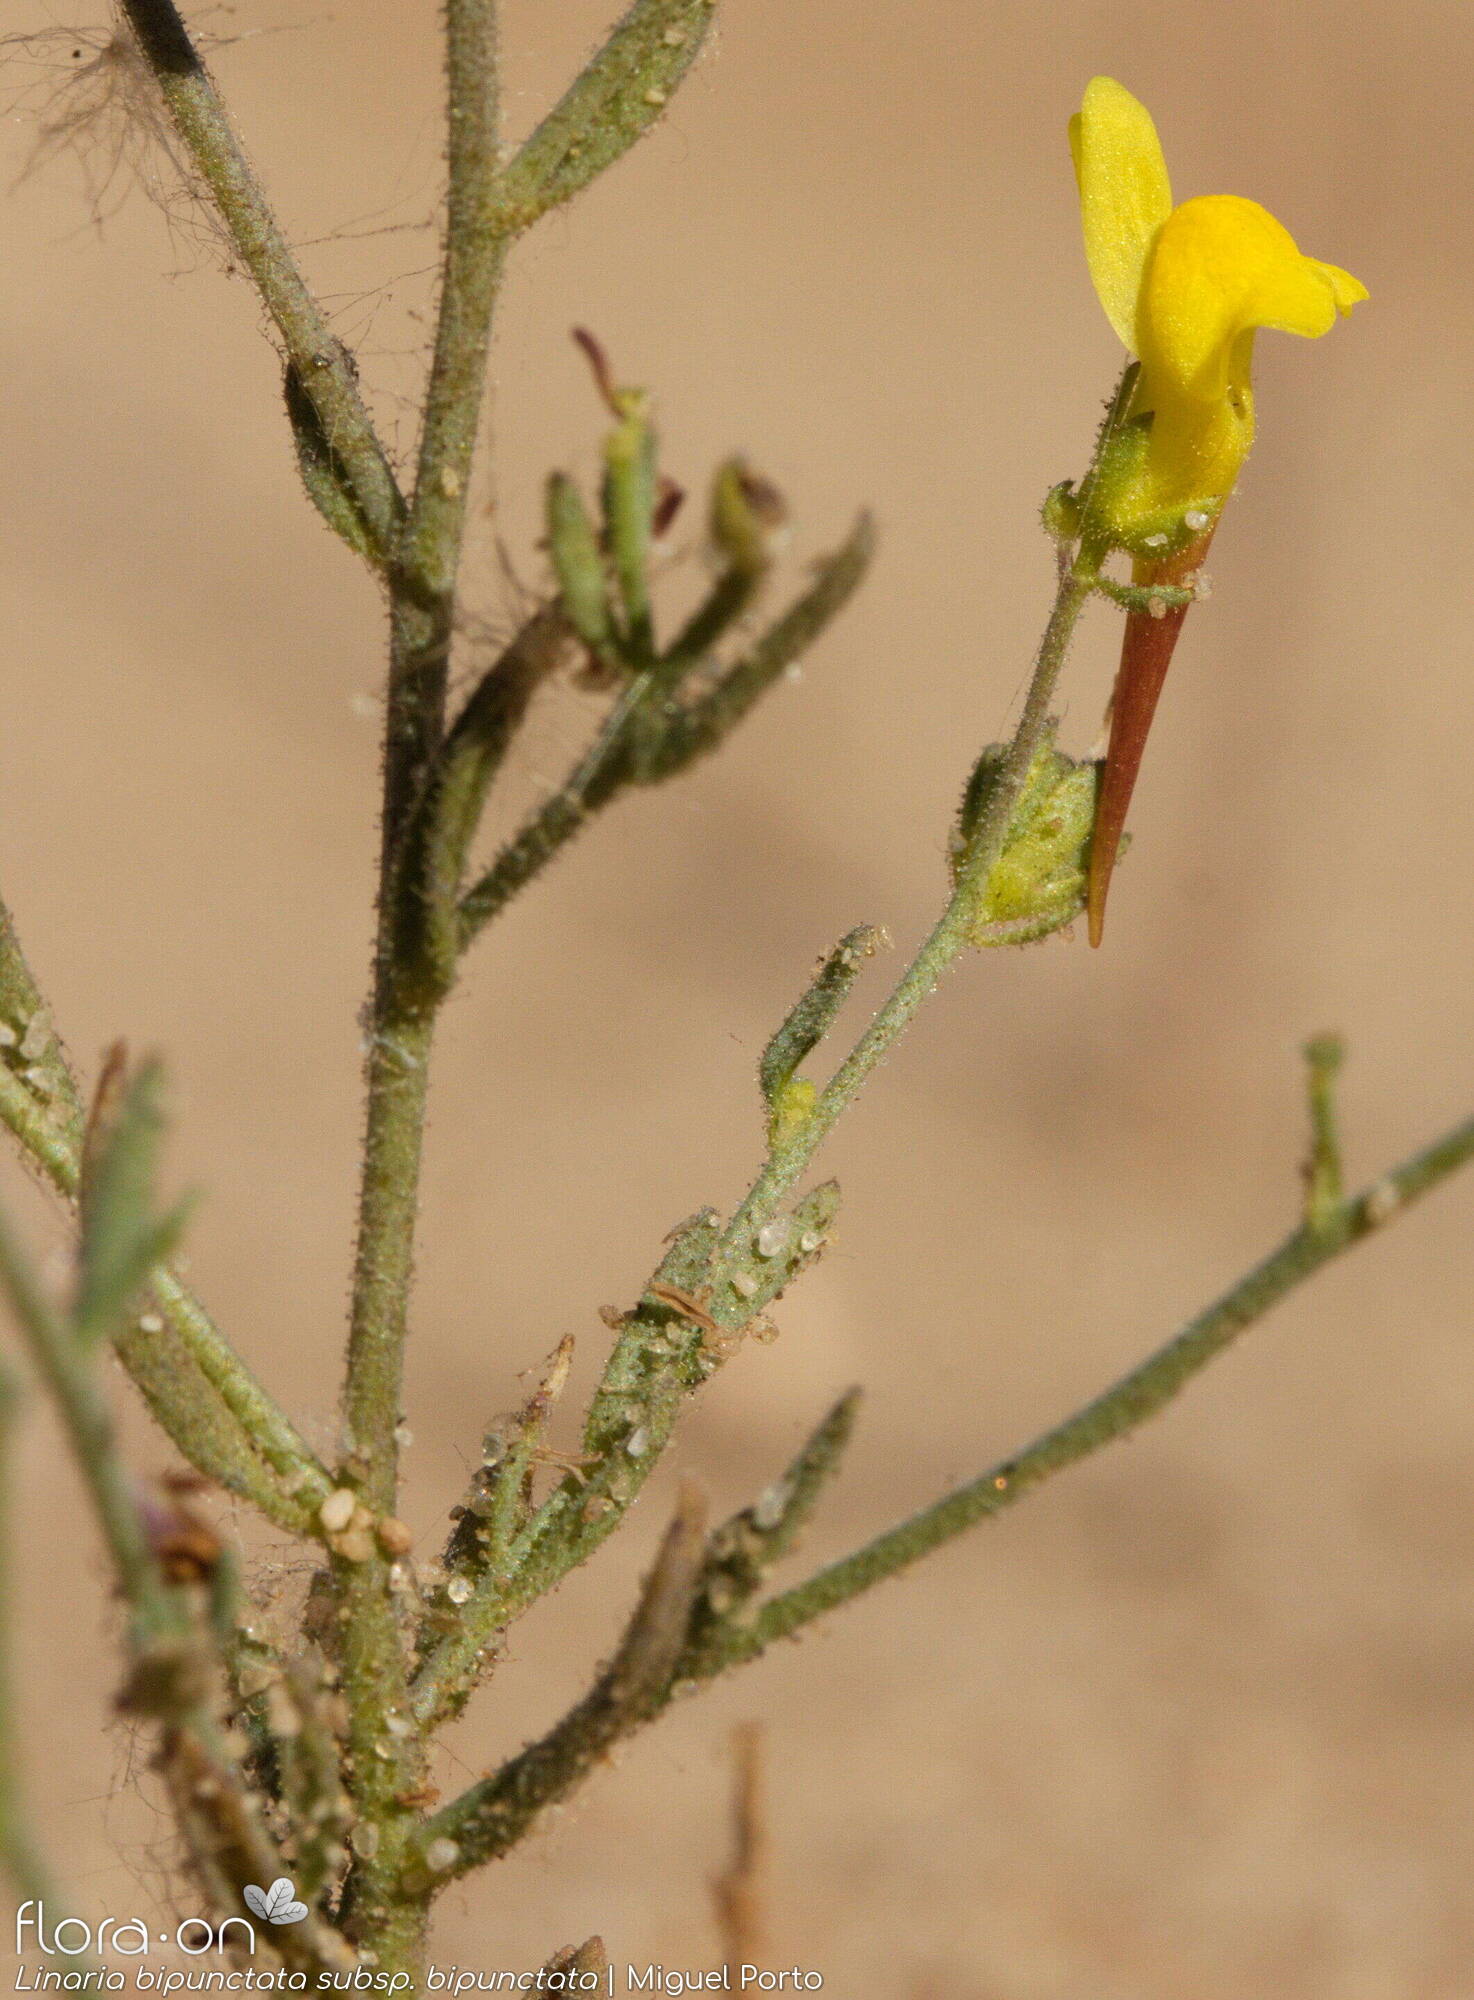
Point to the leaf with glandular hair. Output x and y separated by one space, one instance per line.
583 582
616 98
276 1905
443 821
700 728
781 1249
324 474
811 1017
122 1239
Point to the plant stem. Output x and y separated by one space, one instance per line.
449 1670
493 1815
386 1763
202 1393
612 762
322 362
471 274
790 1157
398 1063
1079 574
20 1855
1129 1402
423 579
422 612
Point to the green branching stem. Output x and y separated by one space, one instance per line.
387 1765
323 364
174 1668
422 621
629 751
1113 1414
199 1389
660 1358
795 1145
493 1816
736 1558
490 1817
21 1857
619 95
701 1611
423 582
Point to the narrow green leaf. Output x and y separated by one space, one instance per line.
122 1239
703 726
617 97
744 1548
432 861
324 474
713 617
629 514
761 1269
812 1015
578 563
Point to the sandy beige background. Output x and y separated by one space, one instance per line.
1199 1720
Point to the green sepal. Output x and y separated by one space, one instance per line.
1061 513
1038 881
1116 510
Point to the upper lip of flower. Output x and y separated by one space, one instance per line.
1125 195
1187 285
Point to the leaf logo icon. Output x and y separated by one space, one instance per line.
278 1904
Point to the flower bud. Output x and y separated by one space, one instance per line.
747 512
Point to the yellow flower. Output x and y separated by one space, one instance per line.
1186 288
